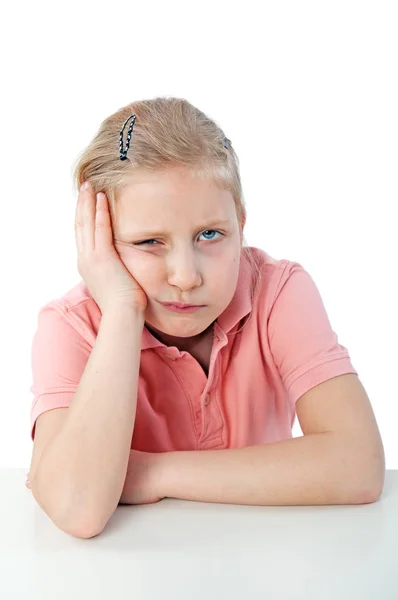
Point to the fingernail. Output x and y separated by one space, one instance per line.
84 186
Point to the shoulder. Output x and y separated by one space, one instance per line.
269 274
75 312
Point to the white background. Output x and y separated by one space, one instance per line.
306 91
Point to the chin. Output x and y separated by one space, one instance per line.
177 328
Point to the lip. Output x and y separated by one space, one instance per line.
182 308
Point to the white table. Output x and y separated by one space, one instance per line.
177 549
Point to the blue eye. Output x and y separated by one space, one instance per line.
146 242
211 230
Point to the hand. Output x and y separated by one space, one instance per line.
143 479
99 264
27 482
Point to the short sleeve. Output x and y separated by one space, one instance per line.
304 346
58 359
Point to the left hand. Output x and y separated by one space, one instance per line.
143 481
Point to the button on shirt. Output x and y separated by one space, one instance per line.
267 352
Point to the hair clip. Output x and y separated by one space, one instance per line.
123 153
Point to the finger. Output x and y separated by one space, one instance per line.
103 225
85 222
89 209
79 224
79 220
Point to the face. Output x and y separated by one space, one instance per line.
180 239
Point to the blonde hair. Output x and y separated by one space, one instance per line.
168 132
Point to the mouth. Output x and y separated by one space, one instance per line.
180 307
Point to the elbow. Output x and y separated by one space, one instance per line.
366 474
82 533
368 497
84 525
67 520
373 487
79 529
377 474
373 492
89 521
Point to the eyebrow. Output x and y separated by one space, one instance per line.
148 233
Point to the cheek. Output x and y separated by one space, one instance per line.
137 263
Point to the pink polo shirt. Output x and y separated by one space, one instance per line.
266 354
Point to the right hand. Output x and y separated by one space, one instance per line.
109 282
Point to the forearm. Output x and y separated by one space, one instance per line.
309 470
81 473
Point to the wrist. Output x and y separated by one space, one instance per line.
124 313
162 473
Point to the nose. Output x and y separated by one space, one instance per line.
183 271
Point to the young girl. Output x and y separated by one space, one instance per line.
138 378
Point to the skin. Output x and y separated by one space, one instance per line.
186 265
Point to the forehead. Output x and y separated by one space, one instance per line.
171 181
156 199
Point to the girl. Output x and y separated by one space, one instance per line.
180 337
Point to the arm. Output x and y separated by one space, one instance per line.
339 460
308 470
81 473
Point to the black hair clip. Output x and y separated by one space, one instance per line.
123 153
227 143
